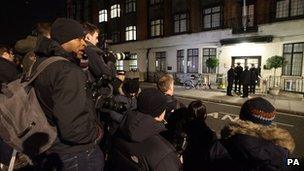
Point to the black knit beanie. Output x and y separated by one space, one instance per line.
258 110
64 30
130 86
151 102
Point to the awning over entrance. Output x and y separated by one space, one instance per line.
230 41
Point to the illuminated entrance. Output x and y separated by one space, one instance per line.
246 61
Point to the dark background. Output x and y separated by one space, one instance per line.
18 17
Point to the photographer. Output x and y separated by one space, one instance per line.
97 65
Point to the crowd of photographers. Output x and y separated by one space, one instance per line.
106 122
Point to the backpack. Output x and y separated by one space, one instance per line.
23 124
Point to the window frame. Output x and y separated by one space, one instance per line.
120 65
193 57
130 6
212 14
179 22
180 61
289 9
116 34
103 15
154 26
292 53
115 11
160 57
205 69
155 2
132 30
133 57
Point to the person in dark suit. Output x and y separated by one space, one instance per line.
246 80
238 74
230 78
254 78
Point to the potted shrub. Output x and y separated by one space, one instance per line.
211 63
274 62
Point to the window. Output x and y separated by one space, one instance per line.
133 62
86 8
180 61
160 62
192 61
130 33
130 6
180 23
212 17
249 17
115 37
119 65
289 8
115 11
293 55
208 53
153 2
157 27
103 16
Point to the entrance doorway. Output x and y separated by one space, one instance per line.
246 61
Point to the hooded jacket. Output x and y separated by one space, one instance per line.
61 91
253 146
138 146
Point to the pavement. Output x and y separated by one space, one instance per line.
282 104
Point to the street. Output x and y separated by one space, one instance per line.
220 115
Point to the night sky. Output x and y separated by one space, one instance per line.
18 17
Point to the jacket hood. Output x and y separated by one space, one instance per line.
277 136
138 126
47 47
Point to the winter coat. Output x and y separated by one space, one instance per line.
61 91
238 72
254 74
8 71
138 146
230 75
172 105
200 139
246 77
97 65
250 146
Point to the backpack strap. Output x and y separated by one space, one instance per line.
42 66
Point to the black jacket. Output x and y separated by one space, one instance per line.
254 74
238 72
97 65
249 146
230 75
138 146
246 77
61 91
8 71
200 138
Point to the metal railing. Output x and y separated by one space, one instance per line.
291 84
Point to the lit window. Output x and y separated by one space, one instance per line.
130 6
103 16
157 27
119 65
115 11
130 33
180 23
133 62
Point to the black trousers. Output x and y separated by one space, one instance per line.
252 88
237 85
229 88
245 90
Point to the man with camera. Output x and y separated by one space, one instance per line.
61 90
97 65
